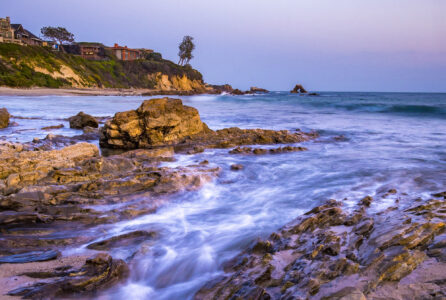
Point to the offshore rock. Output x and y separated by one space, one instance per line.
329 253
299 89
82 120
4 118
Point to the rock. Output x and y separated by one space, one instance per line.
236 167
260 151
30 257
156 122
82 120
347 293
127 239
366 201
298 89
98 273
89 129
256 90
329 253
4 118
53 127
237 92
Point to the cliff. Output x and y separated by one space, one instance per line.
30 66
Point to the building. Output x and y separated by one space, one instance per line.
92 51
26 36
15 33
7 32
124 53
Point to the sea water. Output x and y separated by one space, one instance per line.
369 143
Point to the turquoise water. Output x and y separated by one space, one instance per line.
389 140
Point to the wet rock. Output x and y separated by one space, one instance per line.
82 120
366 201
440 195
53 127
298 89
347 293
156 122
260 151
236 167
127 239
30 257
166 121
329 253
98 273
4 118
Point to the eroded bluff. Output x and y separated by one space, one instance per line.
166 121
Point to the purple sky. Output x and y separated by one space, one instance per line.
367 45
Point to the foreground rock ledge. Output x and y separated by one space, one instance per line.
330 253
166 121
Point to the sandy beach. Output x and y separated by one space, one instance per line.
35 91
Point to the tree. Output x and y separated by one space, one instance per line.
186 47
57 34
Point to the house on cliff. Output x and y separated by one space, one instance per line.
15 33
125 53
90 51
7 34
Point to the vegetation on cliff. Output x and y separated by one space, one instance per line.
32 66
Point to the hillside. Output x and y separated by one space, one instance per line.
33 66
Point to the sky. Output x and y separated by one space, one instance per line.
326 45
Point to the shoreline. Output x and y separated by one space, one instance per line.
36 91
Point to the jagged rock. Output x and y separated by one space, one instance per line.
329 253
260 151
82 120
299 89
156 122
166 121
4 118
98 273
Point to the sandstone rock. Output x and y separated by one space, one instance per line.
82 120
298 89
98 273
4 118
156 122
256 90
330 254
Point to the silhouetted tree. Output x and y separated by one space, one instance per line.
186 47
57 34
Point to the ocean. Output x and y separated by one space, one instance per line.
369 143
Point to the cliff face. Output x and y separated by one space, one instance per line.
28 66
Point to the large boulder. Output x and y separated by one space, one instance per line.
82 120
156 122
299 89
4 118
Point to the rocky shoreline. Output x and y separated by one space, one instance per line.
335 253
56 192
